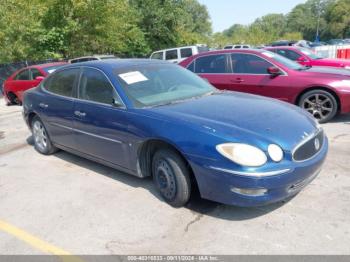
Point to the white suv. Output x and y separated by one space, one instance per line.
236 46
178 54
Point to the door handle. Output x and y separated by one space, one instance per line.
80 114
237 80
42 105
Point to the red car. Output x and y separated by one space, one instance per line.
307 57
26 78
322 91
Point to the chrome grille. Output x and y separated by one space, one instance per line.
309 148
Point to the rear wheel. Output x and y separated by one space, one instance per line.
42 142
13 99
171 177
321 104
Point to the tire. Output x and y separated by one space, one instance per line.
321 104
171 177
42 142
13 99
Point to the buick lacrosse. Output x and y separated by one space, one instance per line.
154 118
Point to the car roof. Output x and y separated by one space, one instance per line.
285 47
222 51
49 64
180 47
117 63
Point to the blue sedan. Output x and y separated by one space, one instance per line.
153 118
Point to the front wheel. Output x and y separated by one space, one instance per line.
42 142
321 104
171 177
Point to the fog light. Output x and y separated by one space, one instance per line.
249 192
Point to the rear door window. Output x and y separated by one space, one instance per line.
186 52
23 75
94 86
212 64
171 54
63 82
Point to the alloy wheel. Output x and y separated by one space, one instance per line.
319 105
40 136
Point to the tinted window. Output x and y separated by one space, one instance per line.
94 86
171 54
36 73
211 64
288 54
62 83
186 52
191 67
24 75
249 64
158 55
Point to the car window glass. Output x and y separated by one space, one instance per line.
62 83
36 73
191 67
186 52
249 64
171 54
228 47
158 55
288 54
24 75
214 64
94 86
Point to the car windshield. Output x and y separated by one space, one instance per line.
51 69
151 85
310 54
282 60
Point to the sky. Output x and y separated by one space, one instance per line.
225 13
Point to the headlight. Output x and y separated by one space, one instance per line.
243 154
275 152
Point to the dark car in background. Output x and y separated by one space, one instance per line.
321 91
26 78
154 118
307 57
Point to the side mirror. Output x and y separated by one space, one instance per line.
39 78
302 59
274 71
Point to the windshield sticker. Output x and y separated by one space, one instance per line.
268 54
133 77
51 71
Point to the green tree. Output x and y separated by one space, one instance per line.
338 19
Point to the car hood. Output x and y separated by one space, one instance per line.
239 117
337 62
330 71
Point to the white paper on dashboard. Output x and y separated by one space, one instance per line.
133 77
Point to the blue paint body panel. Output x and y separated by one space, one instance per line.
195 127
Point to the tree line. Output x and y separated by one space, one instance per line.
40 29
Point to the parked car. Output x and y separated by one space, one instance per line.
176 55
91 58
26 78
237 46
283 43
322 91
154 118
307 57
336 42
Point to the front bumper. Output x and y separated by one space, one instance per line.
217 185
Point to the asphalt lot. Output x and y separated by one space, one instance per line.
65 203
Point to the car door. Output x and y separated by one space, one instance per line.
101 125
214 68
250 75
21 82
56 107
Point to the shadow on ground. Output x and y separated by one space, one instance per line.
196 204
